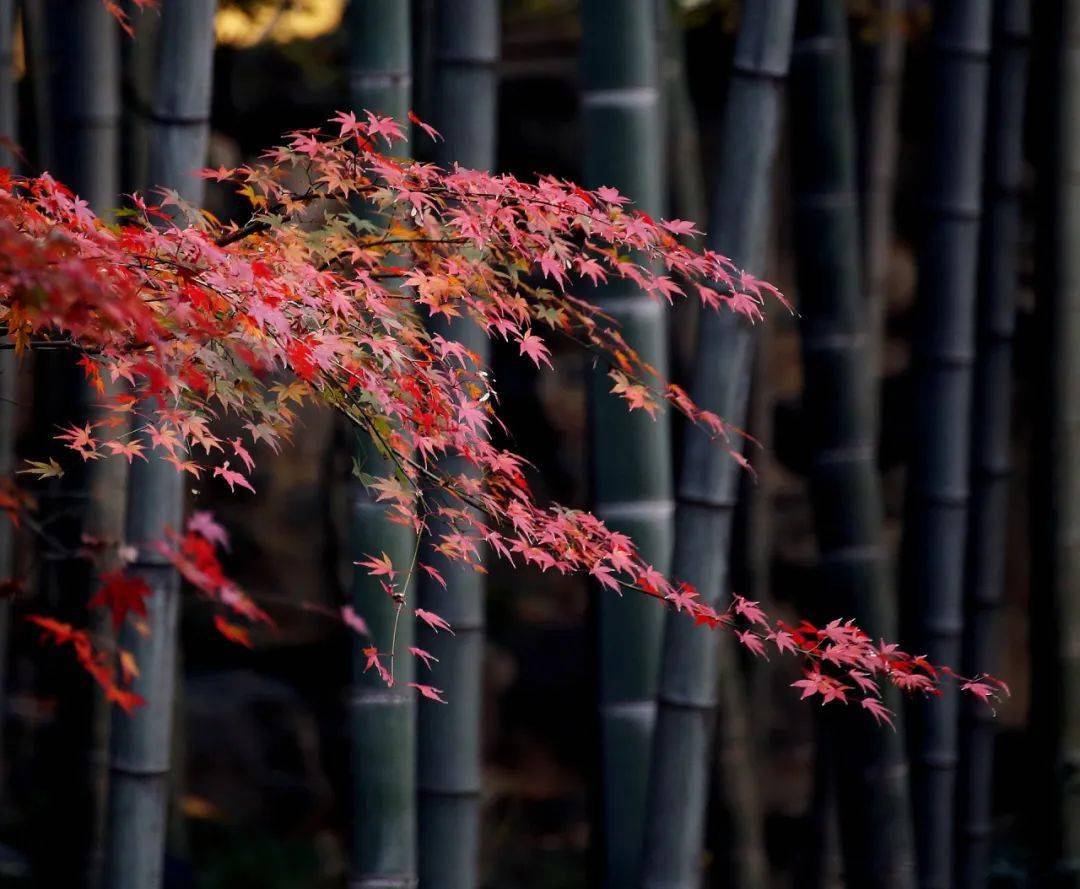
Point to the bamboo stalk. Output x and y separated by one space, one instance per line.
137 72
382 719
9 99
683 168
738 840
35 54
819 865
943 352
990 435
870 772
1056 456
879 66
140 746
630 452
79 82
83 77
708 486
8 416
682 161
464 110
380 68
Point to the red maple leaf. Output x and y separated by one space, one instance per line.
121 593
232 632
57 632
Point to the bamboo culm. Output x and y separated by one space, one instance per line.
465 88
382 719
631 454
80 92
984 577
141 744
1055 605
879 68
685 173
8 119
738 227
871 773
938 483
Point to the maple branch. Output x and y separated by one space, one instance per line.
258 226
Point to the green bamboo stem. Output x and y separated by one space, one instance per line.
871 773
77 42
819 865
9 108
465 86
943 353
8 118
685 175
738 841
138 63
380 72
879 67
984 578
140 745
683 167
1056 458
707 490
631 453
82 44
35 55
382 719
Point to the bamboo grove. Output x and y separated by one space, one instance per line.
378 263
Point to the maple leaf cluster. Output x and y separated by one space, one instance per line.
326 293
112 668
309 299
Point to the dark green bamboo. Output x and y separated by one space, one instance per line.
737 841
138 56
870 770
683 166
78 43
631 453
8 117
383 720
738 227
140 745
380 72
682 154
879 69
943 354
9 110
1056 454
988 522
466 50
819 865
82 45
35 55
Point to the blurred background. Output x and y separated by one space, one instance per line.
905 163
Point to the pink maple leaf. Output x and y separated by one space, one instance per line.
428 691
433 620
202 522
534 347
879 711
426 656
354 621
